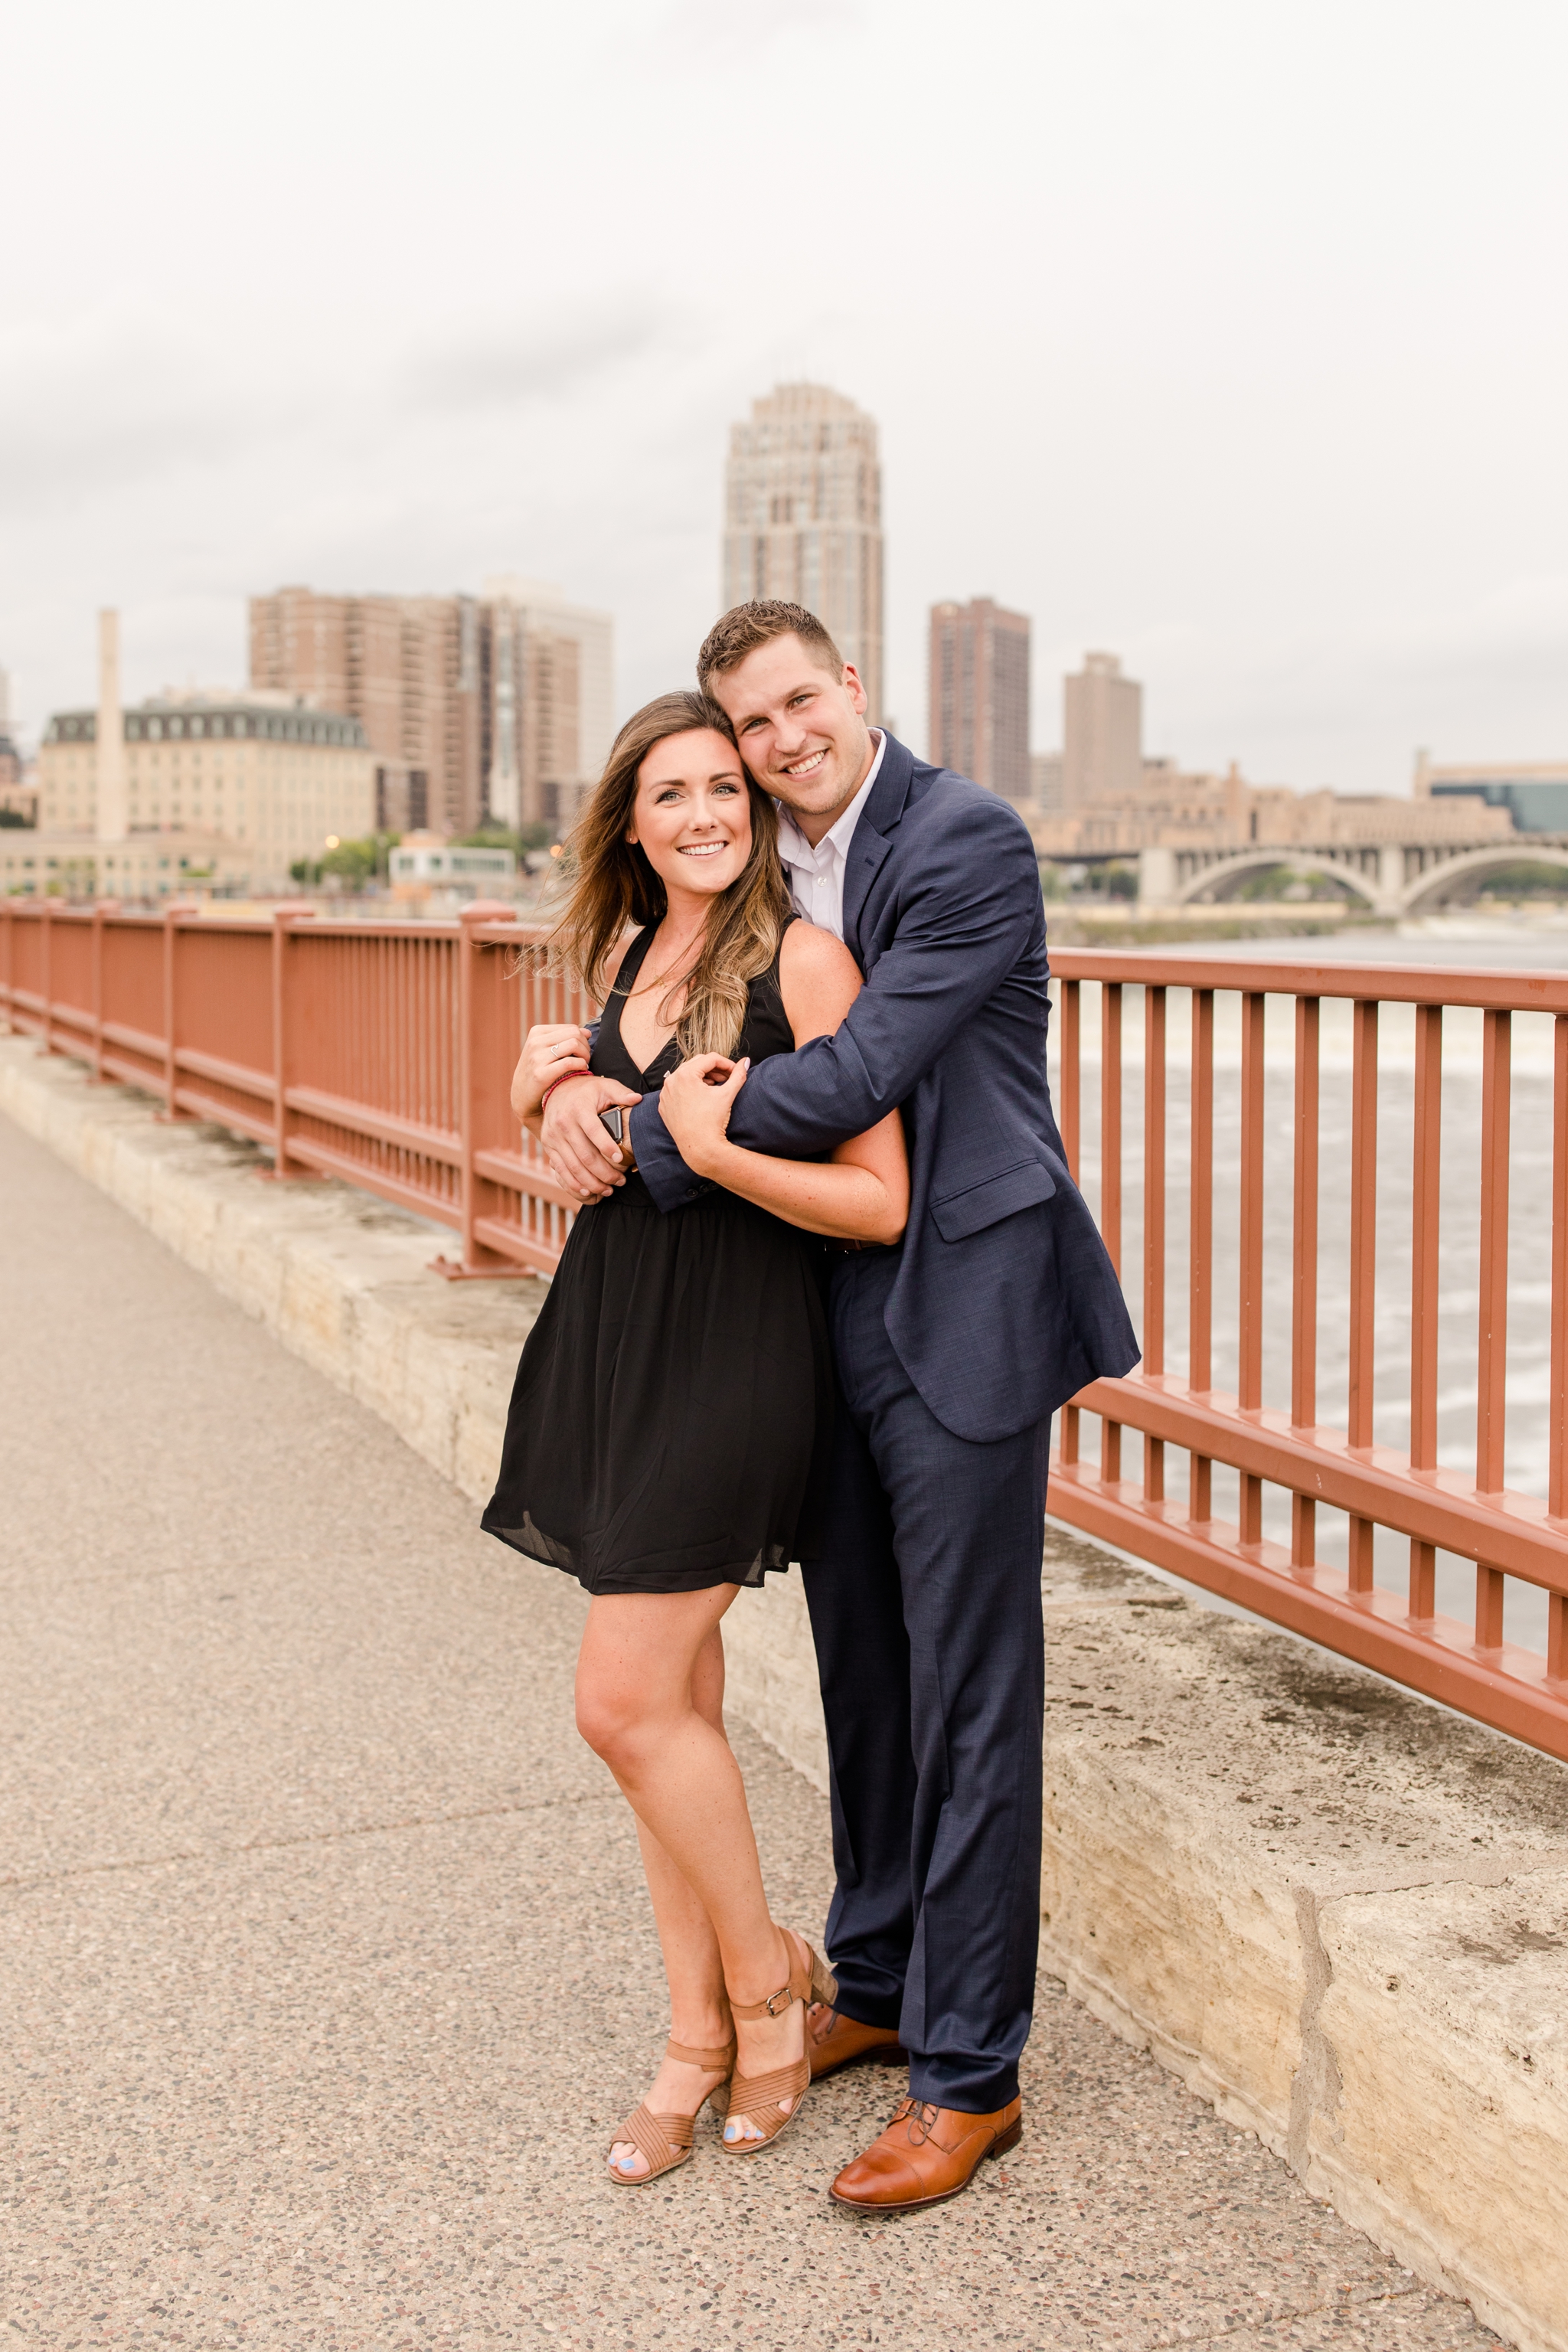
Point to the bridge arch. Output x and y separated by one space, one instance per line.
1432 887
1233 863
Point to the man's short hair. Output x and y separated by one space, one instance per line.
745 627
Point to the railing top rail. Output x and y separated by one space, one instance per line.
1388 983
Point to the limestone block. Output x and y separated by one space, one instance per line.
770 1666
1445 2134
1170 1932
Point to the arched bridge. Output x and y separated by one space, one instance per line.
1389 877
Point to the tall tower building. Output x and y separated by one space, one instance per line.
803 517
1102 734
980 695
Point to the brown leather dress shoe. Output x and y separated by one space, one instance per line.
848 2040
926 2156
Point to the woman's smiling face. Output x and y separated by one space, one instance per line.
692 814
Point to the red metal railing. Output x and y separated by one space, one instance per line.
1280 1453
381 1054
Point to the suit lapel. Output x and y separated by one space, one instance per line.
869 843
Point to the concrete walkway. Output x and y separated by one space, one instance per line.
324 1963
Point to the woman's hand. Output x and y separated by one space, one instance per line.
695 1102
551 1050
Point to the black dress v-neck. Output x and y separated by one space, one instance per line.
673 1407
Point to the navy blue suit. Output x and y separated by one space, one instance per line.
952 1351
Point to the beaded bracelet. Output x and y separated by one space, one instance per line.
564 1080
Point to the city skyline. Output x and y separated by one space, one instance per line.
1295 453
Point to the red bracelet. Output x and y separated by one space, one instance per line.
564 1080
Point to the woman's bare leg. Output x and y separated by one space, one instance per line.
638 1688
699 2005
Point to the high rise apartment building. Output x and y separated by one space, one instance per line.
1102 734
498 705
803 517
979 681
547 702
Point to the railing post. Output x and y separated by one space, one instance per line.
1249 1252
1426 1273
101 907
1363 1264
1557 1488
476 1261
171 913
1200 1309
284 918
1304 1266
47 967
1154 1221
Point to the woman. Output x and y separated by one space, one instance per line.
673 1401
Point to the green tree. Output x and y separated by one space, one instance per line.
501 836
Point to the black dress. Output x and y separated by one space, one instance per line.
672 1409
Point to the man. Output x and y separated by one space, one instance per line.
954 1348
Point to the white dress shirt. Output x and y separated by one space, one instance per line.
817 876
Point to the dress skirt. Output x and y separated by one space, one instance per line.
673 1407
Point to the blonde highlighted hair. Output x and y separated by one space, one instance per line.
613 884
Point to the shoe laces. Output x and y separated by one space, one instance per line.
920 2116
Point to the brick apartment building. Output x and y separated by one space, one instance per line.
495 705
978 682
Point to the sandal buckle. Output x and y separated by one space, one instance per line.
783 1997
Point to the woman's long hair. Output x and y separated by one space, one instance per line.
613 884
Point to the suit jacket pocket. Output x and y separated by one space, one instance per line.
963 1213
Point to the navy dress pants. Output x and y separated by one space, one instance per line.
925 1609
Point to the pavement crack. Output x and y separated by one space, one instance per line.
22 1880
1275 2314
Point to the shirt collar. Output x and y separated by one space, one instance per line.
794 846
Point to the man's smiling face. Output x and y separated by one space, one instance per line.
801 728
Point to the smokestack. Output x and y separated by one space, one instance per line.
111 807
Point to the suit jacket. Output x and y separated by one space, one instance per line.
1005 1302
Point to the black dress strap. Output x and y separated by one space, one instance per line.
611 1057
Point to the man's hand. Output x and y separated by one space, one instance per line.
695 1102
584 1156
550 1050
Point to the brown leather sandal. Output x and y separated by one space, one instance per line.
666 2140
759 2097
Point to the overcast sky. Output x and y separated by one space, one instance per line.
1229 335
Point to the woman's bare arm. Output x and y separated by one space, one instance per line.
551 1050
863 1192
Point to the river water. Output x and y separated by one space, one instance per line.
1521 945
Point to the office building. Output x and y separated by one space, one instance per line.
548 715
803 519
1102 734
979 684
1533 791
494 705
